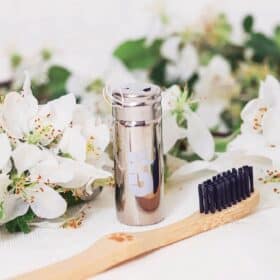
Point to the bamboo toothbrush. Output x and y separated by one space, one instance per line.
226 198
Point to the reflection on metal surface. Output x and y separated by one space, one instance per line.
138 154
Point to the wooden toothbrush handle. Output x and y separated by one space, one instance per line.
105 253
116 248
112 250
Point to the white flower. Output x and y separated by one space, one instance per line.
183 63
87 139
39 134
223 162
18 111
77 84
259 131
13 206
73 143
29 191
94 102
51 170
26 156
53 117
171 131
5 150
23 118
10 205
259 114
83 174
170 97
215 88
257 145
4 183
37 67
35 190
45 202
170 48
199 137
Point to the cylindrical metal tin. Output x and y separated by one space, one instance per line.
138 154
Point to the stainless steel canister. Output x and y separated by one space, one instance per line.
138 155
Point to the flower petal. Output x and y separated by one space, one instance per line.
216 80
4 183
81 115
193 168
210 110
53 118
250 113
98 134
73 143
28 96
171 132
271 127
219 66
13 206
244 142
52 170
199 137
17 114
19 110
170 48
172 72
63 109
26 156
270 91
48 203
5 150
169 98
83 173
188 62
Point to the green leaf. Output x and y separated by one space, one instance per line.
71 199
233 53
277 35
1 210
15 60
192 81
135 54
248 23
264 48
58 77
221 30
20 224
65 155
221 143
96 85
157 74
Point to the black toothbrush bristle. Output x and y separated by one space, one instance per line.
205 198
200 194
226 189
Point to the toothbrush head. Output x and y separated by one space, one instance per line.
225 189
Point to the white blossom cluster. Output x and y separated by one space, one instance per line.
47 150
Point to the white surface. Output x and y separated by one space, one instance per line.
247 249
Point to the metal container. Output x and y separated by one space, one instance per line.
138 154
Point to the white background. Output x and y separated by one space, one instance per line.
83 33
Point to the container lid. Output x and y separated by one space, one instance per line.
133 95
